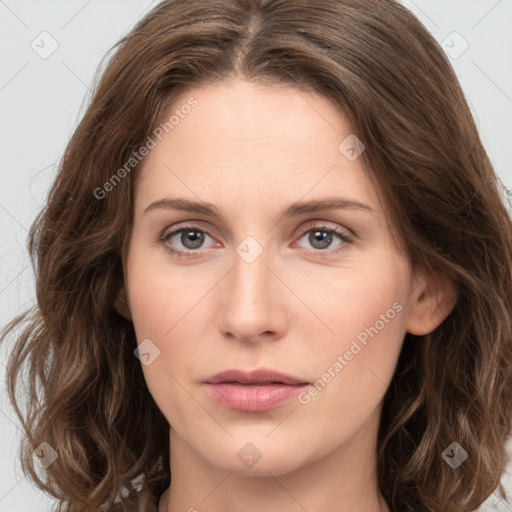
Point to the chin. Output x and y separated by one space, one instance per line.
255 456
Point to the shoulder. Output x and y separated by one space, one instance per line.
144 504
122 507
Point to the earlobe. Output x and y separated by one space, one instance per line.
121 304
432 301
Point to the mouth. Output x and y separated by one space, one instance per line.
253 391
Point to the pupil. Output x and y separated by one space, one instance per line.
195 238
322 237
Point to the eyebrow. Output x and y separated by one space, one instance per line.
294 209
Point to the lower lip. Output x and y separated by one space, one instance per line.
243 397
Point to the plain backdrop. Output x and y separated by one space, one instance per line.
50 53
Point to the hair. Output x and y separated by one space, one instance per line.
87 397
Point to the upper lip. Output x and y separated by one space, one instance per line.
260 376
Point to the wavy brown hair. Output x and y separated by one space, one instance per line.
86 395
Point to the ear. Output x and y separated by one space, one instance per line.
121 303
432 301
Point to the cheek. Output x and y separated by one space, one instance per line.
355 363
156 316
160 296
350 356
166 307
357 303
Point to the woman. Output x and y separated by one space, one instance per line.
275 265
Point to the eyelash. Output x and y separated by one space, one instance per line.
344 237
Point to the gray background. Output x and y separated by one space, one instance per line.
42 98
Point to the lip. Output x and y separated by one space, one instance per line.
253 391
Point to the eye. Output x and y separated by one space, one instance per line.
187 240
191 239
321 238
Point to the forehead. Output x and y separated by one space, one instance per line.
239 112
243 137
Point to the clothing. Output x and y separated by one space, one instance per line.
144 504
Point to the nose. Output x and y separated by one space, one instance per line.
252 300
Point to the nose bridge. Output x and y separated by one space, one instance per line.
249 281
249 295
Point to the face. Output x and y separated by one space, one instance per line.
243 282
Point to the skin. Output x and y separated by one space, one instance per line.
251 150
